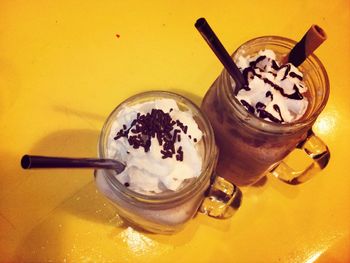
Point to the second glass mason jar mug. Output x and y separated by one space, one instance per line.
168 212
251 147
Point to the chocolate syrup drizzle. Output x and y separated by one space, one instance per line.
269 94
294 96
252 71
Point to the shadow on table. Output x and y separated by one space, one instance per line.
84 200
66 190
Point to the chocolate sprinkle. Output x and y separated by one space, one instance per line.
156 124
180 154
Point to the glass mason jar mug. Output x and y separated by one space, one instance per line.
250 147
168 211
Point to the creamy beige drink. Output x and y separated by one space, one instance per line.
165 146
159 145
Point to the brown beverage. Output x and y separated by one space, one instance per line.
252 145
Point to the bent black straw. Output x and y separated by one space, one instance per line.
219 50
33 161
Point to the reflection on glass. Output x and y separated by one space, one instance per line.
326 123
314 256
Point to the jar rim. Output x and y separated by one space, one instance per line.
171 196
298 124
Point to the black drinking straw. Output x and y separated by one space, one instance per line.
33 161
219 50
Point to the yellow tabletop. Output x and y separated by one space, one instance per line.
64 66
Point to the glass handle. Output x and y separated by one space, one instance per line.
317 150
223 199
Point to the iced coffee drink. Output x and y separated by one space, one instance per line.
169 152
259 124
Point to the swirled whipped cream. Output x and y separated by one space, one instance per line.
159 143
275 93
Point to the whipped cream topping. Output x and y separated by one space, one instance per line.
275 93
159 143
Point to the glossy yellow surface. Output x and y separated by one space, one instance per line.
64 65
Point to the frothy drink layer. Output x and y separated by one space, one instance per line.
159 144
163 150
274 92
